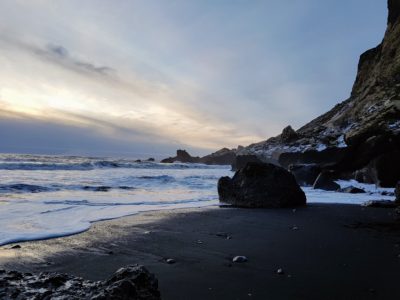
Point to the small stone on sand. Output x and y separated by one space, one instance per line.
239 259
170 261
280 271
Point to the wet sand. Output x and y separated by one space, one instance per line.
325 252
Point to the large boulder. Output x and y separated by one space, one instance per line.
242 160
261 185
132 282
305 174
326 181
182 156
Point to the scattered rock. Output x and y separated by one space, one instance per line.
151 159
325 181
239 259
305 174
138 161
351 190
261 185
280 271
380 203
16 247
295 228
223 235
132 282
170 261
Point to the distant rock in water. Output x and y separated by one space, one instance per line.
224 156
261 185
182 156
132 282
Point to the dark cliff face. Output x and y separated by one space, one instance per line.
394 11
374 103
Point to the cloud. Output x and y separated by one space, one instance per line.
61 54
184 72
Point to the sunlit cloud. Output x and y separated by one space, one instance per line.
200 75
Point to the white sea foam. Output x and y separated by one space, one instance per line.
44 202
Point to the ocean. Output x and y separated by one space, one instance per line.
51 196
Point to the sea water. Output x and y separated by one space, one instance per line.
51 196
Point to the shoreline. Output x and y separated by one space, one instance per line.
334 251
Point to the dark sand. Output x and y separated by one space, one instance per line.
338 252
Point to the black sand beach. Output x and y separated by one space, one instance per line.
325 252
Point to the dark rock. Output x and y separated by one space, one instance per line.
364 176
182 156
242 160
288 134
394 11
280 271
261 185
239 259
16 247
351 190
325 158
138 161
132 282
305 174
397 192
325 181
224 156
151 159
170 261
380 203
386 169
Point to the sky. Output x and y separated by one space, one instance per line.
132 78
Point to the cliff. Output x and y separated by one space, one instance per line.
361 129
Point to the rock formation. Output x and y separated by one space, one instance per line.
132 282
182 156
359 136
261 185
224 156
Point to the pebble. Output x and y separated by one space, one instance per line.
170 261
239 259
280 271
295 228
199 242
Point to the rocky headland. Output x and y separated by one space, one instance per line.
360 137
